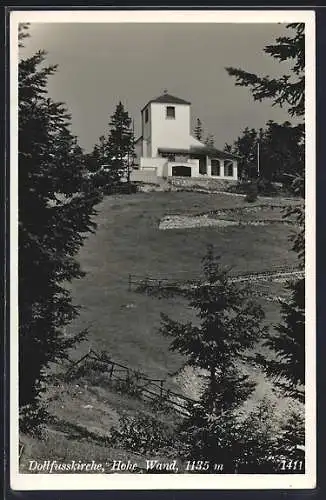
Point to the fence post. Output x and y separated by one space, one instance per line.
129 283
111 371
161 389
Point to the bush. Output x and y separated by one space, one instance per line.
125 188
33 419
142 434
252 192
267 188
130 385
263 186
238 188
243 442
104 183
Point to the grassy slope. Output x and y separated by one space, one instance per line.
128 241
85 414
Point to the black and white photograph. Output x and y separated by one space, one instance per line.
162 235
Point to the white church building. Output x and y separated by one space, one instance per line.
166 147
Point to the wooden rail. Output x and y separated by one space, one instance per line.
279 273
148 388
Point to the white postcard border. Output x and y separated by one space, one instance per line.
168 481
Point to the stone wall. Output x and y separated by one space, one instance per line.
179 183
207 184
144 176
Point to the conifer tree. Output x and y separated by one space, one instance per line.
56 206
209 141
281 152
246 148
288 342
289 90
228 324
120 144
198 130
99 155
290 444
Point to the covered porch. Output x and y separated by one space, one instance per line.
208 162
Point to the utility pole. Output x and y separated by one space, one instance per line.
258 158
130 167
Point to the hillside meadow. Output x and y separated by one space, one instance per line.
128 241
125 323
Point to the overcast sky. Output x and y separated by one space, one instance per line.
100 64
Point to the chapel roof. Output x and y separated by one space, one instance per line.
168 99
201 150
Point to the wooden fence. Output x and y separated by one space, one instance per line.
148 388
279 273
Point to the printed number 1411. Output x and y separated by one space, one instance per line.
291 465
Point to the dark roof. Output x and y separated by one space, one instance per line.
209 151
174 150
201 150
168 99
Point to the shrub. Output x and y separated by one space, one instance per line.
129 385
33 419
142 434
244 443
290 445
251 192
103 183
238 188
267 188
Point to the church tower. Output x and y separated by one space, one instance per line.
165 123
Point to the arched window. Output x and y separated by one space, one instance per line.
216 168
228 168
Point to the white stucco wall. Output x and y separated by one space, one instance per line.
222 170
169 132
146 132
193 164
194 168
163 168
151 164
195 142
235 171
161 132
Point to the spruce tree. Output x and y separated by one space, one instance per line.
287 369
56 205
289 91
281 152
290 444
120 145
245 147
209 141
198 130
99 156
228 325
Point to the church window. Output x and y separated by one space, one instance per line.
170 112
